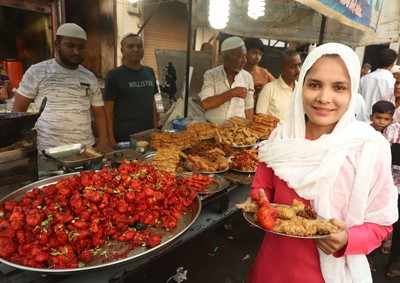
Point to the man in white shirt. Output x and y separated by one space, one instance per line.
360 109
72 93
274 99
378 84
228 89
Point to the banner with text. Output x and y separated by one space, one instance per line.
360 14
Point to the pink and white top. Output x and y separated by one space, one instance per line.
283 259
344 174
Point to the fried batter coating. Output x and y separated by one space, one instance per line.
285 213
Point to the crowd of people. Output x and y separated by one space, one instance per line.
329 150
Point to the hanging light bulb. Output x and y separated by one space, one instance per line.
256 9
218 13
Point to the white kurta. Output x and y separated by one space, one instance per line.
375 86
215 83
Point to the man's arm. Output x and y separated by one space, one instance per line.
109 112
21 103
101 126
263 100
249 114
218 100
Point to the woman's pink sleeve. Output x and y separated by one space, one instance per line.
365 238
263 180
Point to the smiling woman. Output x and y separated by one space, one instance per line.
324 158
326 95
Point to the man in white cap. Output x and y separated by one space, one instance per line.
228 89
72 94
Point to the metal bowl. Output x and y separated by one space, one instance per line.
184 223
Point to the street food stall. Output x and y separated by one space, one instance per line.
196 164
107 215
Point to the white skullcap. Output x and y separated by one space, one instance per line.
71 30
395 69
231 43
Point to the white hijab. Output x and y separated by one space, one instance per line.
312 168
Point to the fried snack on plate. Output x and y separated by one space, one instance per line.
325 227
167 159
285 213
213 160
290 222
245 160
263 125
290 227
236 136
203 130
180 140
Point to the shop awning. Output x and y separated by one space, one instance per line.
290 20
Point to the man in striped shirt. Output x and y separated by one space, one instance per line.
72 95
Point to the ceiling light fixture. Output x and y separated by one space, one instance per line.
256 9
218 13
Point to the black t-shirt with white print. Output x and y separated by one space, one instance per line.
133 94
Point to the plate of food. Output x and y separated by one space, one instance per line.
210 162
165 159
238 137
294 221
245 161
83 221
205 184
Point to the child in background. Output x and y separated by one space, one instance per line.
382 115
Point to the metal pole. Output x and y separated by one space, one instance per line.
322 30
188 55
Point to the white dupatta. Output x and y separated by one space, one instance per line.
311 168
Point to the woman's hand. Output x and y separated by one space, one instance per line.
335 242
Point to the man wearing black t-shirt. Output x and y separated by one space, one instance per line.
129 93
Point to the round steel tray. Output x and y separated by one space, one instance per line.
243 171
250 217
184 224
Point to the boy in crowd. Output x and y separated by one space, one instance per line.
382 115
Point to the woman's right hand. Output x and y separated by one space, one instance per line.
259 196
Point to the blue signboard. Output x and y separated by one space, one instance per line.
358 13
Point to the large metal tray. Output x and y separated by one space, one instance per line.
73 155
167 236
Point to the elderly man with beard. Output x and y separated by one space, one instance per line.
228 89
72 93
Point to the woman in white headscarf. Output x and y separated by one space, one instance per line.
341 167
